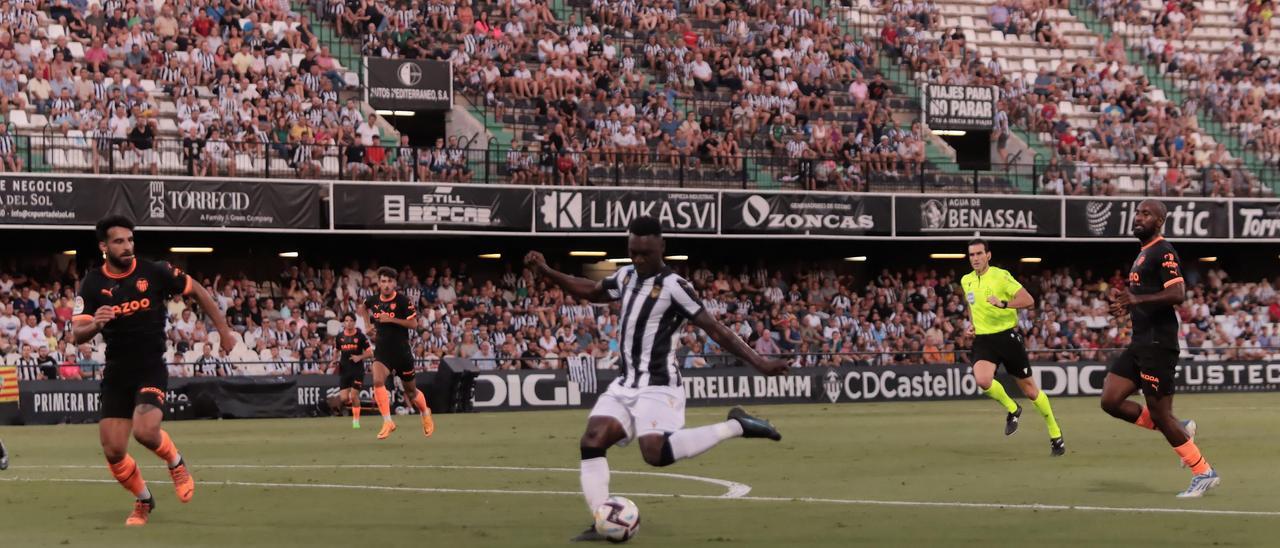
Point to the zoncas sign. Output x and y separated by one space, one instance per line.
806 214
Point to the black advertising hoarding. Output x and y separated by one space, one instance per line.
1256 219
216 203
39 200
431 207
526 390
959 107
159 202
52 402
965 215
409 84
611 210
1113 218
806 213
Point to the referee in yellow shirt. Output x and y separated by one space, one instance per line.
994 298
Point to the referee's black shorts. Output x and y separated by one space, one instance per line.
1004 348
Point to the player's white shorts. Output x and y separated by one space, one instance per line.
644 410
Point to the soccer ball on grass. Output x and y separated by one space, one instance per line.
617 519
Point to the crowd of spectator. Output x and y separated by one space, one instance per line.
515 321
231 86
245 78
1238 85
661 83
1132 127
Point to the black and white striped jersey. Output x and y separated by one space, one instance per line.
654 308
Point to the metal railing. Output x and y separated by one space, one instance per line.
539 163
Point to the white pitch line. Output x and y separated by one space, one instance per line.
733 489
860 502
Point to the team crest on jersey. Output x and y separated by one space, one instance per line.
1141 259
393 306
142 285
972 298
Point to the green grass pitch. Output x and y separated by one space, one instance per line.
896 474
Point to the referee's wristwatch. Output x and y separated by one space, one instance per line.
1004 304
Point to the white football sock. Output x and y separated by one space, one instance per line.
595 482
692 442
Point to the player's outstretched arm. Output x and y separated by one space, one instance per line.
210 307
730 341
581 288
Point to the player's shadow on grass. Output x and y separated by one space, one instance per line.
1121 486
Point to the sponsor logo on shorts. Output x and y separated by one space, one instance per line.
153 390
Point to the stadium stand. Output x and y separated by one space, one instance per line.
800 95
1220 58
1070 92
511 321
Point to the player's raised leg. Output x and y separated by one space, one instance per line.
382 397
659 415
985 373
419 400
113 433
1116 390
602 433
146 429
